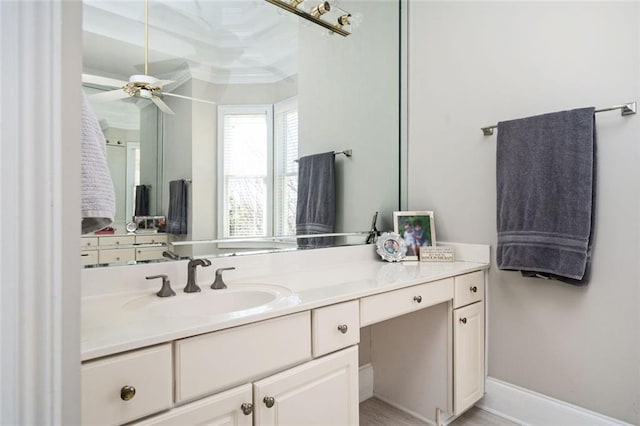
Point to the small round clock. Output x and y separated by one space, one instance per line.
131 227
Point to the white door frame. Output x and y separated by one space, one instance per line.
40 74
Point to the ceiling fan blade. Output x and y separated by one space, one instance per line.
113 95
163 107
102 81
189 98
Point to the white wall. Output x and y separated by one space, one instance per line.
473 64
348 99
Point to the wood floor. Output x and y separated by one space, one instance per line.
374 412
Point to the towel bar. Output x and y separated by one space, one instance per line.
626 109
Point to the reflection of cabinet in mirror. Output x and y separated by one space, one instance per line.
124 248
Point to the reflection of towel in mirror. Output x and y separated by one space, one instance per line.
97 198
142 200
316 209
545 193
177 215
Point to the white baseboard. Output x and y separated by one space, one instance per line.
526 407
366 382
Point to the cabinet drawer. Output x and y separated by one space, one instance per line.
221 409
216 361
146 370
117 240
151 239
335 327
469 288
88 242
398 302
89 257
149 253
117 255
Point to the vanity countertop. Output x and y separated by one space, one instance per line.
111 325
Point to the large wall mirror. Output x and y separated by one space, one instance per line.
277 88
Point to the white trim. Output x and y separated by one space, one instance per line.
40 96
365 375
527 407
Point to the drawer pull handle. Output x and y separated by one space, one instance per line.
463 320
418 299
474 289
269 401
247 408
343 328
127 393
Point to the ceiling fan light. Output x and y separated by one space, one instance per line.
146 79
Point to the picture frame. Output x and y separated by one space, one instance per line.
149 224
405 224
391 247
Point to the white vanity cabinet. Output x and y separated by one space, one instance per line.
468 341
426 347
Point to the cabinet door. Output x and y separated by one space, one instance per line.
468 356
230 408
321 392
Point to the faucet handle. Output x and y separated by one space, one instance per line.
218 283
166 290
219 271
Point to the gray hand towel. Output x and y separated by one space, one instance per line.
316 208
546 194
177 215
142 200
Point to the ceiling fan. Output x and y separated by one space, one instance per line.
141 86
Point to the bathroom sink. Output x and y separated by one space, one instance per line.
208 302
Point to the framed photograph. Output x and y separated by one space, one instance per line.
417 229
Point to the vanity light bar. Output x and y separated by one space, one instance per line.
337 27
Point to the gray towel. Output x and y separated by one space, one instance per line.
316 208
142 200
546 194
177 215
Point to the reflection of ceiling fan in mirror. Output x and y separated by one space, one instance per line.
141 86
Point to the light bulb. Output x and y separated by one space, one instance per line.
344 20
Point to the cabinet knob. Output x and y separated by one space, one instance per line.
474 289
463 320
247 408
343 328
418 299
269 401
127 393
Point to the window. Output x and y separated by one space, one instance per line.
286 168
257 174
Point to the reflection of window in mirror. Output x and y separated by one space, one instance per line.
285 115
257 174
133 176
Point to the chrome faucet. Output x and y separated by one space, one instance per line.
218 283
191 286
